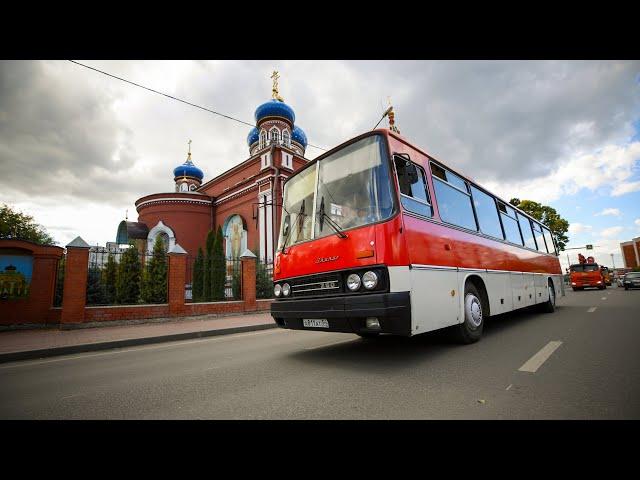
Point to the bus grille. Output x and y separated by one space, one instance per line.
324 284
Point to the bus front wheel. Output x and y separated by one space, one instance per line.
470 330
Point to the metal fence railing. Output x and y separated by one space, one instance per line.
264 280
217 281
126 277
57 295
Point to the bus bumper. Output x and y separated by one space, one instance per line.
347 313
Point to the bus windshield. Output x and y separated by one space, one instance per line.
349 188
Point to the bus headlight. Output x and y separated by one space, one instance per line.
353 282
370 280
277 290
286 289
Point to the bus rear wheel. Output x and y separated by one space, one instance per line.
550 305
470 330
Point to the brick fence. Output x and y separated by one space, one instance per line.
37 308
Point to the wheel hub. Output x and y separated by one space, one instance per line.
473 310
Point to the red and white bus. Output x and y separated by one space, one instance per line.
378 237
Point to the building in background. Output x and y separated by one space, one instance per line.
244 200
631 253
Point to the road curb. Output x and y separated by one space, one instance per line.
127 342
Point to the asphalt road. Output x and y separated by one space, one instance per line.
580 362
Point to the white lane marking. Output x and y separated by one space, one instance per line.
535 362
604 298
329 344
592 309
117 350
510 385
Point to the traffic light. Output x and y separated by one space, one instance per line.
589 247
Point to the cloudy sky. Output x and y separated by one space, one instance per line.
78 148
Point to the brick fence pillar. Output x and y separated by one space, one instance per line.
74 295
249 280
176 281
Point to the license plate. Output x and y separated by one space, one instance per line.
315 323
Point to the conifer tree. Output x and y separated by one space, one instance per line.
129 275
206 291
110 272
197 284
94 286
218 267
154 288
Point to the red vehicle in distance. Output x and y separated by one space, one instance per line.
377 236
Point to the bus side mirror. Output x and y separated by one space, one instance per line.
412 172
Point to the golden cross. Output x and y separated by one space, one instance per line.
274 89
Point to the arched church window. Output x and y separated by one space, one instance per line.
286 139
263 139
184 187
274 135
165 241
192 188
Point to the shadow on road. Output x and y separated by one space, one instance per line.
392 352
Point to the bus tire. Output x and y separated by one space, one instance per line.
470 330
550 305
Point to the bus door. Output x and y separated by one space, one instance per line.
433 274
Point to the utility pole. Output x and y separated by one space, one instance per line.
612 262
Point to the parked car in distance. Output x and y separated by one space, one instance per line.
631 280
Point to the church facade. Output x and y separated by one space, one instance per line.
244 200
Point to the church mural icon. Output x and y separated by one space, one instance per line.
15 276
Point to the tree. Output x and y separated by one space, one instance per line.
206 290
548 216
19 225
129 273
110 273
218 267
197 284
154 286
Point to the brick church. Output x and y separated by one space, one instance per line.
243 200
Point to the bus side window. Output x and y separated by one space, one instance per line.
510 224
549 239
413 187
487 213
527 233
453 197
537 231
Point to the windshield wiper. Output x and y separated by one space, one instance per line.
300 215
330 221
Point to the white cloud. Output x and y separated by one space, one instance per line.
609 211
637 222
609 167
625 187
576 228
611 231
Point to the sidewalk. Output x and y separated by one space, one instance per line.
25 344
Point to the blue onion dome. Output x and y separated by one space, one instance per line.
253 136
299 136
275 108
188 169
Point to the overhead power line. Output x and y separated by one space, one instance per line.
177 99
